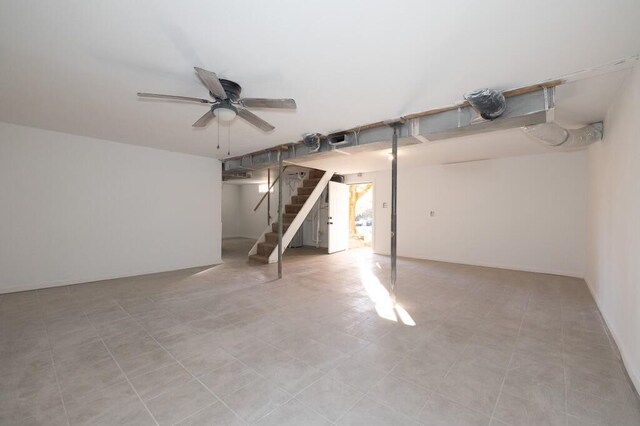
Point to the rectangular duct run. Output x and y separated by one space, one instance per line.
524 107
521 110
334 146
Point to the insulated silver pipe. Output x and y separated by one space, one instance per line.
394 205
280 216
553 135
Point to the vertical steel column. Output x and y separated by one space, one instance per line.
394 206
268 196
280 216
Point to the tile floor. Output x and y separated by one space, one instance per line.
231 345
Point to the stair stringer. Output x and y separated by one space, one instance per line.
297 221
261 239
301 216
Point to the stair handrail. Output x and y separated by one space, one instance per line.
269 189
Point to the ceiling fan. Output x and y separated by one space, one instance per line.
227 103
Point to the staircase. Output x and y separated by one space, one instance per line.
265 250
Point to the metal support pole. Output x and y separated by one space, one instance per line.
394 206
280 216
268 196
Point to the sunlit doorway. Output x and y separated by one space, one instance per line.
361 215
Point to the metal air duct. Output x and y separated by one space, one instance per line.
525 106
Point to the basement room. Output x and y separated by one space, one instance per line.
320 213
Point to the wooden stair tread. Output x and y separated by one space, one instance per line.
310 183
258 258
292 210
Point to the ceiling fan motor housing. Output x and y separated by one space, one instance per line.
232 88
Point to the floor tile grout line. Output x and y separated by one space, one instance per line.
217 401
294 396
192 375
367 393
564 363
452 400
121 370
364 395
451 367
453 364
262 376
64 406
504 379
53 362
566 357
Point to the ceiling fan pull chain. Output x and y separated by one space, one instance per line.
218 134
228 138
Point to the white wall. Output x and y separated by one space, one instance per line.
76 209
525 213
254 223
231 220
613 272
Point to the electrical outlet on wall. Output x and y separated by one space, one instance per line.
384 205
432 213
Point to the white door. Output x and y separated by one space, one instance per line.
338 217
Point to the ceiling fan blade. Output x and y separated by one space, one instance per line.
173 97
210 79
255 120
269 103
204 120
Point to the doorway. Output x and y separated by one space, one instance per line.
360 215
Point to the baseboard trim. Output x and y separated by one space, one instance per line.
633 375
62 283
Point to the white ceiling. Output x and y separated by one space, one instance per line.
75 66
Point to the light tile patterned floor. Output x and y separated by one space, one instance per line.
231 345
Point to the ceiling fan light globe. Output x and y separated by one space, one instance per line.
225 114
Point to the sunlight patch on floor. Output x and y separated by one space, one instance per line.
379 295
